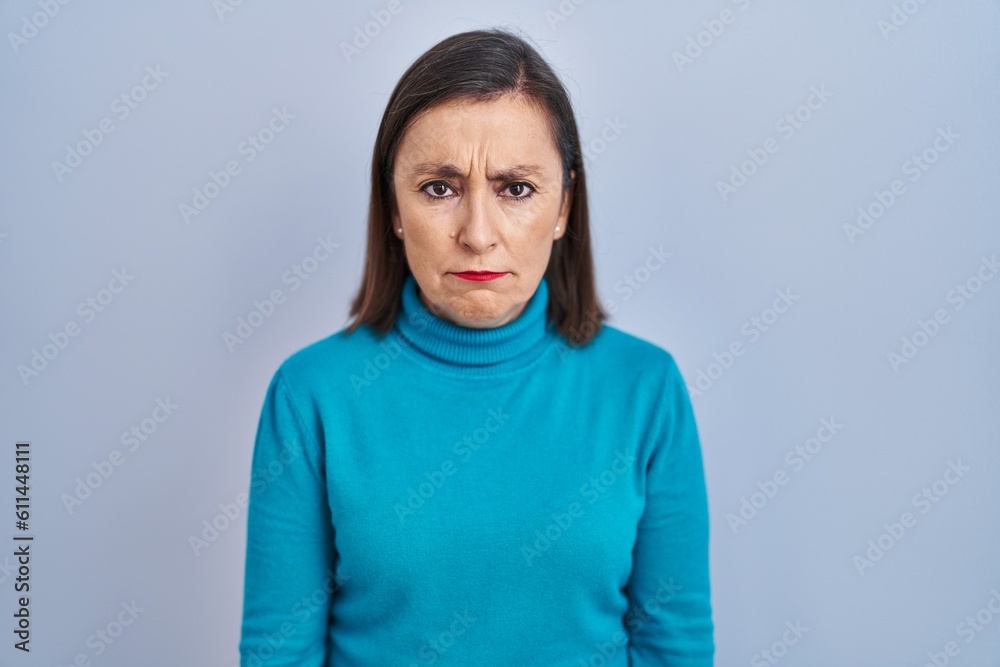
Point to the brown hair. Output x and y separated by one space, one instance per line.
480 65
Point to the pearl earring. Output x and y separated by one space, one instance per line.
557 229
400 230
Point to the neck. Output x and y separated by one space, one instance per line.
465 350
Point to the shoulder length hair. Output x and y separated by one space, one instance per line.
480 65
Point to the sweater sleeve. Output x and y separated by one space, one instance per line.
670 616
289 581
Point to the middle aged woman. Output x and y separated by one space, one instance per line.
478 471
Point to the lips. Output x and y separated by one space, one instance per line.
480 275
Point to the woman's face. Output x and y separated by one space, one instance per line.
479 188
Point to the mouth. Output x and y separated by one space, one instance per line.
479 276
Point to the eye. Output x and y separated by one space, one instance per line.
520 190
436 190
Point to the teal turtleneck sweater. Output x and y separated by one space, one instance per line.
477 497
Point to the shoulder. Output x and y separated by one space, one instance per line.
649 376
620 361
325 363
630 353
622 343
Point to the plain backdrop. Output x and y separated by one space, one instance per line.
823 176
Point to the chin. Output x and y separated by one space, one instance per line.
479 311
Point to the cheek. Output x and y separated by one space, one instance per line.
422 232
526 223
534 242
414 208
416 221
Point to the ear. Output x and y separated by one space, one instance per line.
566 205
396 223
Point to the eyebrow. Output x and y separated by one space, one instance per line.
447 170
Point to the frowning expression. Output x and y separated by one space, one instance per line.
479 187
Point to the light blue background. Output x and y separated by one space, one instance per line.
653 184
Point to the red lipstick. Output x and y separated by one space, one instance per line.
479 276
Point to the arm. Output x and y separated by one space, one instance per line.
670 615
290 547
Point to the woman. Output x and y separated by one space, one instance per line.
477 471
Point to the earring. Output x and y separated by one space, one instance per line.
400 230
557 229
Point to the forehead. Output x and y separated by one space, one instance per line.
508 129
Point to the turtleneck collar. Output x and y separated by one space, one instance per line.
466 350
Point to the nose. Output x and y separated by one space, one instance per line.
478 229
